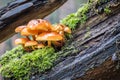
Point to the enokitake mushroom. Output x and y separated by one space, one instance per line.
49 36
31 44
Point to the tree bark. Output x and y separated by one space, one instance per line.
20 12
95 57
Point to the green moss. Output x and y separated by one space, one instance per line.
79 17
71 21
107 10
9 55
27 64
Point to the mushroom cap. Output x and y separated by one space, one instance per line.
27 32
19 28
21 41
61 27
67 30
31 43
33 32
58 27
40 46
49 36
32 24
39 24
45 23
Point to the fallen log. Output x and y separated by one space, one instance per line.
93 53
19 12
95 57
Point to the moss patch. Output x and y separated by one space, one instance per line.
16 52
79 17
107 10
21 67
82 14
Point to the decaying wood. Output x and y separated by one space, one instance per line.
95 57
91 57
20 12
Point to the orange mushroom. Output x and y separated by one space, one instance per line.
27 32
67 29
19 28
61 27
49 36
35 24
46 24
21 41
33 33
39 24
42 30
40 46
31 44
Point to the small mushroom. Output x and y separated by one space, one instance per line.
67 30
35 25
32 24
62 29
58 28
40 46
19 28
39 24
31 44
27 32
21 41
49 36
33 33
45 23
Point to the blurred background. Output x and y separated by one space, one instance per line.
70 6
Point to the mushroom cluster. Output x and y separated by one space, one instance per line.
40 33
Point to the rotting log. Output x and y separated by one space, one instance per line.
95 57
19 12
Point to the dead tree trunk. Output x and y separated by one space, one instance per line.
95 57
20 12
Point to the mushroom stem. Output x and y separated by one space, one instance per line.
63 35
33 37
33 48
49 43
23 46
57 43
27 37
